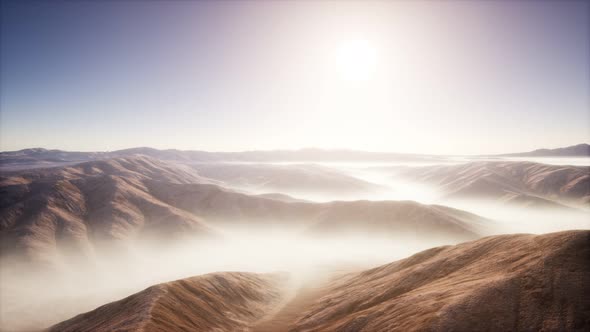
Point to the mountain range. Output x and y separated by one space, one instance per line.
79 229
39 157
112 203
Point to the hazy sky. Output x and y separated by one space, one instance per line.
427 77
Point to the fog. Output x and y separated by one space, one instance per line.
514 219
34 298
506 218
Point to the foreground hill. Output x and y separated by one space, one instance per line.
524 183
499 283
230 301
107 205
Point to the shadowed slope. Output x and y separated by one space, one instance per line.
47 212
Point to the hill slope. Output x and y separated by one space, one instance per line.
500 283
230 301
525 183
45 213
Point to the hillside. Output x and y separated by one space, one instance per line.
229 301
47 213
501 283
524 183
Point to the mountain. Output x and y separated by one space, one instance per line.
500 283
301 155
229 301
46 214
524 183
39 157
580 150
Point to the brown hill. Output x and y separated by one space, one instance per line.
500 283
229 301
524 183
48 212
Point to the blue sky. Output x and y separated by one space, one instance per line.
427 77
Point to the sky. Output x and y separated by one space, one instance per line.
441 77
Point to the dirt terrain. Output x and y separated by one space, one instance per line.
501 283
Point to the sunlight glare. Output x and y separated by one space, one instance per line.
356 60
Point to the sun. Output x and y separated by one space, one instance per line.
356 60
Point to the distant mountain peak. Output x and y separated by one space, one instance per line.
579 150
